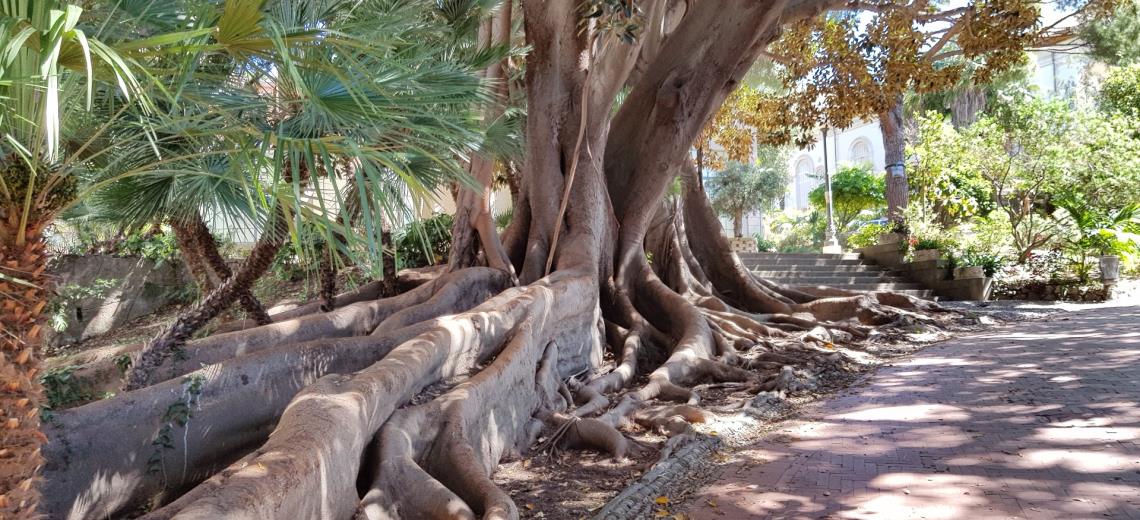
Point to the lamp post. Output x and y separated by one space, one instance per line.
830 241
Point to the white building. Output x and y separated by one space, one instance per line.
1060 71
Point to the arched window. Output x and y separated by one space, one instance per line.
860 152
804 171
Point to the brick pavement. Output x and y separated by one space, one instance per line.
1035 420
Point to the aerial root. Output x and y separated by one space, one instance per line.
741 323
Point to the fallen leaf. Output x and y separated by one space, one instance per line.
662 500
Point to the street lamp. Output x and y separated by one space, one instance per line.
830 242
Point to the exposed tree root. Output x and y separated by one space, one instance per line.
174 434
308 467
103 374
406 280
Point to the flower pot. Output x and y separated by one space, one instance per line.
890 238
973 271
926 255
1109 268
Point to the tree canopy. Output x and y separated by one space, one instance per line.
1120 91
744 187
854 190
1115 38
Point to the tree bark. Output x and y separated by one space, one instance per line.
894 147
966 105
170 340
24 292
207 247
738 224
474 225
188 247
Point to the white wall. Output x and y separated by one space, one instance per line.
843 148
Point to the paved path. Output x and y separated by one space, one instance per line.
1037 420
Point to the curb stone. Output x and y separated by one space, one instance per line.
688 457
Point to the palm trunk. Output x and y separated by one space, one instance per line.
894 145
171 339
389 257
188 247
328 279
204 240
24 292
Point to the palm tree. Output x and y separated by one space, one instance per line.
57 85
304 126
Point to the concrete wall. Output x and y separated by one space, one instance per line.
137 287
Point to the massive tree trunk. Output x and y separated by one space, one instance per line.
894 145
411 420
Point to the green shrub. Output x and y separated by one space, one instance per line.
424 242
918 244
990 263
868 235
797 233
764 245
855 191
1120 92
156 247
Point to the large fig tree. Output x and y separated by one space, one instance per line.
402 407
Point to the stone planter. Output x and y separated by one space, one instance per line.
926 255
743 244
1109 268
966 273
891 238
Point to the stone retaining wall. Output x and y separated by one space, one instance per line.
1052 291
121 288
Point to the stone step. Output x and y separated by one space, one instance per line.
840 268
844 271
836 280
871 272
781 263
807 256
890 286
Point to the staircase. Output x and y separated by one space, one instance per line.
844 271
